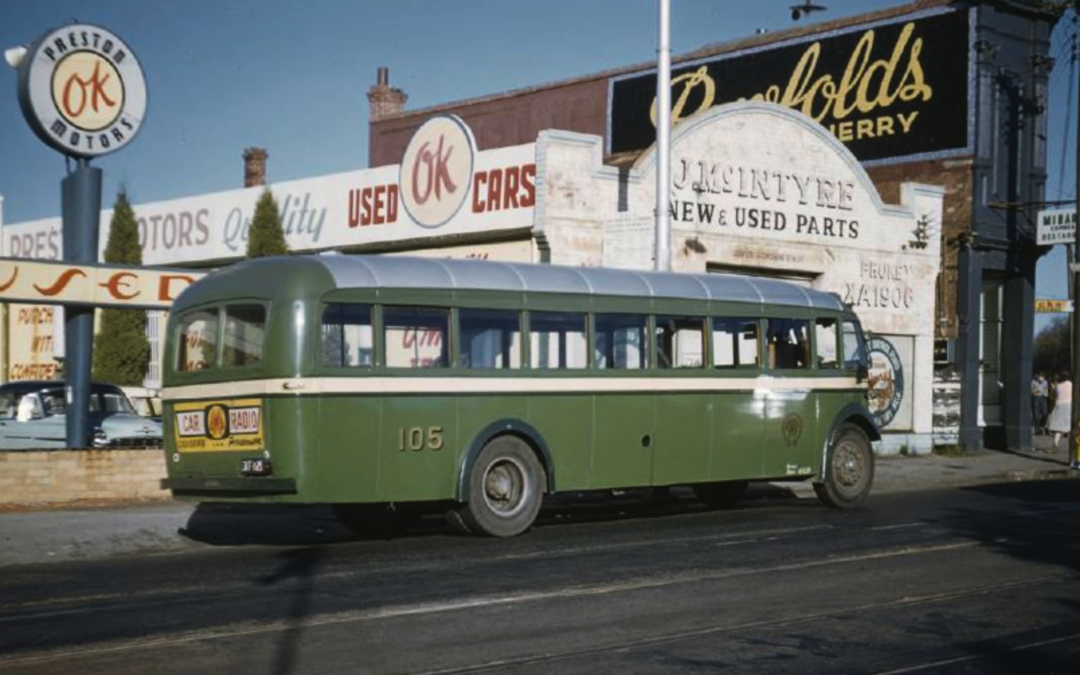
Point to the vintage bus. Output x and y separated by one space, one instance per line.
377 384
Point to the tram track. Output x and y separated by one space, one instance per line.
210 601
209 635
482 601
465 557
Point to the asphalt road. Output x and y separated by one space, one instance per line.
978 580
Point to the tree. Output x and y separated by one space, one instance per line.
121 350
266 236
1052 347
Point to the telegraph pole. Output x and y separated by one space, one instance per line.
663 138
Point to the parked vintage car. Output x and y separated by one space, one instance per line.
32 416
146 401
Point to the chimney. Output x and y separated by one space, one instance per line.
384 99
255 167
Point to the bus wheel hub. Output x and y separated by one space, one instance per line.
848 467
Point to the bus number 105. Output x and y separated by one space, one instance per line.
419 438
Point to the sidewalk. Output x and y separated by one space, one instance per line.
32 534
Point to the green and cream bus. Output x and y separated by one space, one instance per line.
378 384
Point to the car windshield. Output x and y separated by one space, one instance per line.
9 404
101 400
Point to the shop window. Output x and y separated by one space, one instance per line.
416 337
680 342
557 340
489 339
347 337
620 342
788 343
735 343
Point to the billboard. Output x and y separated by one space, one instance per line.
895 89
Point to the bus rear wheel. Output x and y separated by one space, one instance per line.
849 469
505 489
721 495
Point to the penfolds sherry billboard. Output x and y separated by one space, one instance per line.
887 90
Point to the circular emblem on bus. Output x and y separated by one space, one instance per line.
885 385
82 90
792 429
437 169
217 422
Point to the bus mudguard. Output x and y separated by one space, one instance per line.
857 414
513 427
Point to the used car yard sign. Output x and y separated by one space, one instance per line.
38 282
82 90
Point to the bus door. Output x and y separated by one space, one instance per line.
738 404
624 407
684 409
790 420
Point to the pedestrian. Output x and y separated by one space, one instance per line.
1040 391
1061 418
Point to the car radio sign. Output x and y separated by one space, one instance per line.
219 425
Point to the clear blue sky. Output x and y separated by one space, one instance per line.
291 76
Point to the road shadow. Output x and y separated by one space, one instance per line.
295 577
1039 527
287 525
291 525
1036 523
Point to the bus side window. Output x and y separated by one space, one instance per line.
735 343
489 338
620 342
245 333
197 340
557 340
416 337
825 343
854 348
679 342
789 343
347 338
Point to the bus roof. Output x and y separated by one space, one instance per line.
290 277
357 271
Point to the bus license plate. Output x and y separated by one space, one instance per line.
255 467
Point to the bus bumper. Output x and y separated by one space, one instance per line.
222 487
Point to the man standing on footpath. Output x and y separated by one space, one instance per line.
1040 390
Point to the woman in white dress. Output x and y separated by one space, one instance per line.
1060 420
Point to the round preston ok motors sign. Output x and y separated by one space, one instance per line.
82 90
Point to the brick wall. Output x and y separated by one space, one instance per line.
70 475
956 176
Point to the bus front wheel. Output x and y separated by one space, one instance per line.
849 469
505 489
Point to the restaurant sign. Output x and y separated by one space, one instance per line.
1056 226
886 90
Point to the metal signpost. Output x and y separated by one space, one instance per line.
83 93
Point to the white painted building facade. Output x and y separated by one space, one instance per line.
757 189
